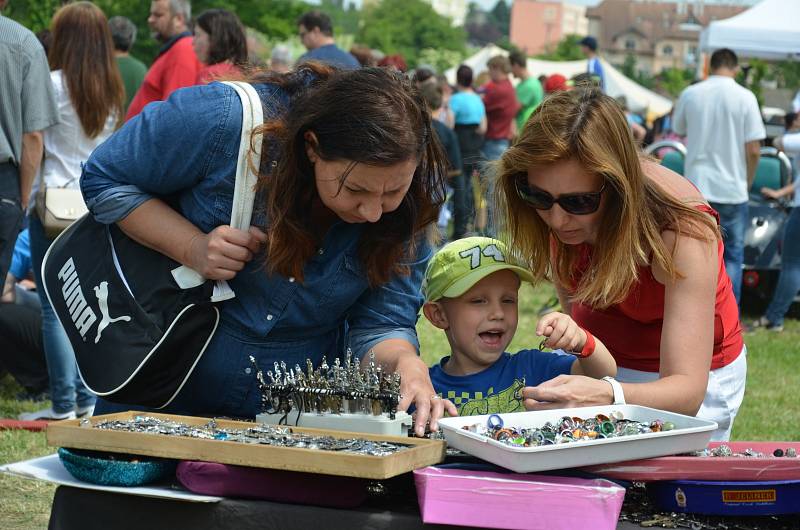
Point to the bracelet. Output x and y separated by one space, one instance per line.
616 388
588 347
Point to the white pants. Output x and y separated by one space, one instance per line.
724 393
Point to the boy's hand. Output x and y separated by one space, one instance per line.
561 332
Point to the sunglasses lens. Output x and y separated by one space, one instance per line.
541 200
580 204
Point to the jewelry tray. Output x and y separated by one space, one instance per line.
420 453
689 434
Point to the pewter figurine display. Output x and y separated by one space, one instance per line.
341 388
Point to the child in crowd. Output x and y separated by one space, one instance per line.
471 289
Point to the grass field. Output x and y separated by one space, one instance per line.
770 411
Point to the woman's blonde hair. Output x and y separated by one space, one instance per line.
588 126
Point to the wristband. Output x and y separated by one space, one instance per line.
588 347
619 396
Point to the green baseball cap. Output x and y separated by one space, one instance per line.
459 265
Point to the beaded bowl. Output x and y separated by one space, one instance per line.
115 470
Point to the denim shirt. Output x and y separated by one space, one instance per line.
186 148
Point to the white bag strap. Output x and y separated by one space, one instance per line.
244 189
246 178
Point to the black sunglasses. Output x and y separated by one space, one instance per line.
574 203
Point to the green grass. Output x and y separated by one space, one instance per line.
770 410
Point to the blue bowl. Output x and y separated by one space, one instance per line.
115 469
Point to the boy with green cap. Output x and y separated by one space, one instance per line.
471 289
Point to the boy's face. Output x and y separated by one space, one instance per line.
480 323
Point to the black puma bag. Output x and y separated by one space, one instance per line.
137 320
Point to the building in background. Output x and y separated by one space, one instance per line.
657 34
538 25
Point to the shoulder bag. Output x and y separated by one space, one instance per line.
137 320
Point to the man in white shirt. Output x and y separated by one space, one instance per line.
723 127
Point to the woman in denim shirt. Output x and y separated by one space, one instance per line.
351 178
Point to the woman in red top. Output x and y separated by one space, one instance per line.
636 257
220 44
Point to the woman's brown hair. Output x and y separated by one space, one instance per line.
588 126
83 50
366 116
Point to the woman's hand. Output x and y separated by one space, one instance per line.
567 391
416 388
769 193
561 332
224 251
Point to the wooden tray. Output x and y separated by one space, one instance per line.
422 452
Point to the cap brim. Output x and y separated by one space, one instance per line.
462 285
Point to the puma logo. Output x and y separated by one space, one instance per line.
79 311
101 292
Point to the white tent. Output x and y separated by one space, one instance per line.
769 30
639 98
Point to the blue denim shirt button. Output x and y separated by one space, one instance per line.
321 251
247 370
269 317
291 279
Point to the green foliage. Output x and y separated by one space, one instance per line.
33 14
408 27
345 21
440 59
673 80
751 76
500 15
567 49
274 18
630 71
788 74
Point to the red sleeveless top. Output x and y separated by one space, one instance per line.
632 329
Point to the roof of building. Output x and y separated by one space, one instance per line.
654 20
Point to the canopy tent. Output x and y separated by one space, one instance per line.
768 30
639 99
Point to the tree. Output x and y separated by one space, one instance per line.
631 72
501 17
408 27
33 14
277 19
567 49
673 80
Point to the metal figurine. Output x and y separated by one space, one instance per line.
330 389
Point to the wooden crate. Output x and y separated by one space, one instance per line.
421 453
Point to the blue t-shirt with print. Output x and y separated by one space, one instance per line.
497 389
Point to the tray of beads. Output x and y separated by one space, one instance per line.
251 444
729 461
564 438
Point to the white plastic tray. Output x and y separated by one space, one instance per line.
690 434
